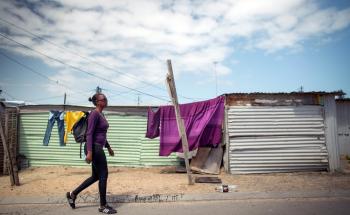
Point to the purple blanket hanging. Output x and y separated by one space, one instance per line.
202 120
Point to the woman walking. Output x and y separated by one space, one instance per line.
96 139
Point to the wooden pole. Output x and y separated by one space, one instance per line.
179 120
5 130
11 133
7 154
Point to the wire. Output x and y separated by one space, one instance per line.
75 53
38 73
126 92
53 97
81 70
89 59
44 76
9 95
46 98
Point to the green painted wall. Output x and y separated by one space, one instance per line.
125 135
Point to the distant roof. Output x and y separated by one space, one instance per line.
335 93
132 110
7 103
343 100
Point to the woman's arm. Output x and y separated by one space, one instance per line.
92 121
110 150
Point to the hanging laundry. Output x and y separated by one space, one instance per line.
70 118
153 123
202 120
55 116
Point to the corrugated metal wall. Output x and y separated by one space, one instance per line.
331 132
266 139
125 134
343 121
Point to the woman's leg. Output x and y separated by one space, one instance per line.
102 172
71 196
102 185
92 179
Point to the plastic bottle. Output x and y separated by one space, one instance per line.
224 188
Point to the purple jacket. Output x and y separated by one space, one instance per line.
202 120
97 130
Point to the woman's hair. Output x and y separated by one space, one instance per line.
93 99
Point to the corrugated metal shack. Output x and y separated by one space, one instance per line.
281 132
264 132
126 135
343 122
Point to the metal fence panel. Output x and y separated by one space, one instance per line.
343 124
125 135
276 139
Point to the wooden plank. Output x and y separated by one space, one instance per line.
11 134
213 180
7 154
180 124
5 130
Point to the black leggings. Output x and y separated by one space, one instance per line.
99 172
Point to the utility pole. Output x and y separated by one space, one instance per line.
98 89
1 99
301 89
65 99
64 102
138 99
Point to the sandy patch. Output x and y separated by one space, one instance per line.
53 181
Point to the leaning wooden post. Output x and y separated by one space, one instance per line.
7 154
11 134
179 121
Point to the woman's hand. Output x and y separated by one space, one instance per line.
88 158
110 151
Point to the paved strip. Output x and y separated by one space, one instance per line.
177 197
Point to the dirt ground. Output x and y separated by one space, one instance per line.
55 181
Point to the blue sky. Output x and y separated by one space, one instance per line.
48 48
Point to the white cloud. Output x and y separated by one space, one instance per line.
279 41
136 37
286 22
253 9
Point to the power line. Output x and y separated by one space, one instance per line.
53 97
46 98
28 68
75 53
127 92
38 73
87 58
9 95
42 75
81 70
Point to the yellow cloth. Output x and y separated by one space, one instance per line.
70 118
